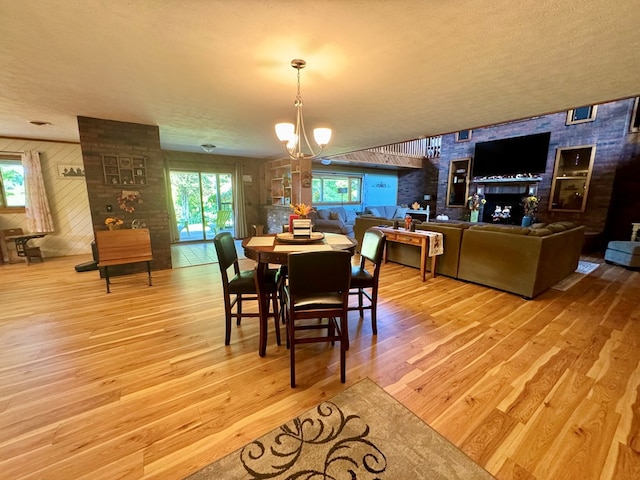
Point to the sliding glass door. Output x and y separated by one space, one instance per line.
202 203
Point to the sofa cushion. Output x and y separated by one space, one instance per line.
556 227
351 216
567 224
513 230
323 214
400 212
540 232
538 225
374 211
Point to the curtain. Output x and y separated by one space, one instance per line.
38 214
174 234
240 220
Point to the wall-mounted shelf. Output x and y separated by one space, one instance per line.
124 169
571 178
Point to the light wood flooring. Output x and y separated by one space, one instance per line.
138 383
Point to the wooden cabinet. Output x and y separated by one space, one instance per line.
124 169
458 185
571 178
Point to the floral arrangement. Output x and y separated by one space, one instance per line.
128 200
474 202
113 221
301 209
530 204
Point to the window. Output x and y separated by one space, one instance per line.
11 183
634 126
582 114
331 189
463 136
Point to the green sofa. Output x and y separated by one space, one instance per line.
524 261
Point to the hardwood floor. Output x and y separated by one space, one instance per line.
138 383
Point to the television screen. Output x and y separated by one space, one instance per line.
512 156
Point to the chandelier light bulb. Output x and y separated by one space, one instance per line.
322 136
285 131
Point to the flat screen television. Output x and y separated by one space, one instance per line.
512 156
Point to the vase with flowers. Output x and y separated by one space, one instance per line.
530 205
474 203
113 223
300 210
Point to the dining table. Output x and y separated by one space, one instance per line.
275 249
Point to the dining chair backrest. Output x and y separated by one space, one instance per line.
226 252
373 243
317 272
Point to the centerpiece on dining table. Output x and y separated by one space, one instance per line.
300 228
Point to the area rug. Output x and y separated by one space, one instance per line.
362 433
584 269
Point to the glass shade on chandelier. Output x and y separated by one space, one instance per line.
294 136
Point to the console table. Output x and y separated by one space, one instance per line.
430 244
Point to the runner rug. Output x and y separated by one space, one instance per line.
361 433
584 269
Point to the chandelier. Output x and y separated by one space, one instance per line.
292 136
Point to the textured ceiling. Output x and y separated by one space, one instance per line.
379 72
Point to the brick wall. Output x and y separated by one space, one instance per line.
413 185
609 133
99 137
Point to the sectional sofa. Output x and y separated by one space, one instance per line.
524 261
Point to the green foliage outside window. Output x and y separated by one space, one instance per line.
326 189
12 192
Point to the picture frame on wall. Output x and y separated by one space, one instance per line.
70 171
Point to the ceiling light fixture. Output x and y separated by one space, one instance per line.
291 135
207 147
39 123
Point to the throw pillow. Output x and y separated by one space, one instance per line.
538 225
556 227
334 216
374 211
539 232
322 214
400 212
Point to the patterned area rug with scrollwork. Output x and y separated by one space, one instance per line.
362 433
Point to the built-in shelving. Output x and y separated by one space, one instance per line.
124 169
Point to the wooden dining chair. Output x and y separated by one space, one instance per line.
364 283
240 286
318 288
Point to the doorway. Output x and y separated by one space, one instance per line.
202 204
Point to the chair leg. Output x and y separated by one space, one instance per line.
374 312
360 302
292 353
227 321
344 345
239 308
276 317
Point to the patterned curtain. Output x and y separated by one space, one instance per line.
38 214
240 220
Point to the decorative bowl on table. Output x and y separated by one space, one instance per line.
290 238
